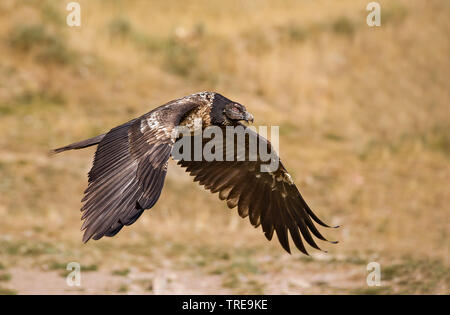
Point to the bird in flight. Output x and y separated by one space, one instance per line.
130 165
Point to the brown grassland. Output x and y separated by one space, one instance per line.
364 116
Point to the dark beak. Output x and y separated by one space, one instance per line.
248 117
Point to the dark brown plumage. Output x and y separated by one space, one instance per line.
130 166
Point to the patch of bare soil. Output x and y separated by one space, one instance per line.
308 280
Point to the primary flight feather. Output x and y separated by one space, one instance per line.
130 166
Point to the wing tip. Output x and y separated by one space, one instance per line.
53 152
288 250
326 225
86 236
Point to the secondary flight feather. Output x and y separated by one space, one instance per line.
130 165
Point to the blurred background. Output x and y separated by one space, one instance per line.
364 124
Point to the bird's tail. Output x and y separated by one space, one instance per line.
80 144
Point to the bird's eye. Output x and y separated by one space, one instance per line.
235 109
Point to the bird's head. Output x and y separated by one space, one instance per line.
237 112
225 111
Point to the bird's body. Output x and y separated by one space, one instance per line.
131 162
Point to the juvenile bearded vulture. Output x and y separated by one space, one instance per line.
130 166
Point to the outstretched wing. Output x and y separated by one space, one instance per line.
269 199
129 169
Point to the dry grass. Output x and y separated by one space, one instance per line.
365 130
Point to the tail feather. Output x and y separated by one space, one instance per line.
80 144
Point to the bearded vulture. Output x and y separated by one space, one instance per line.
130 165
